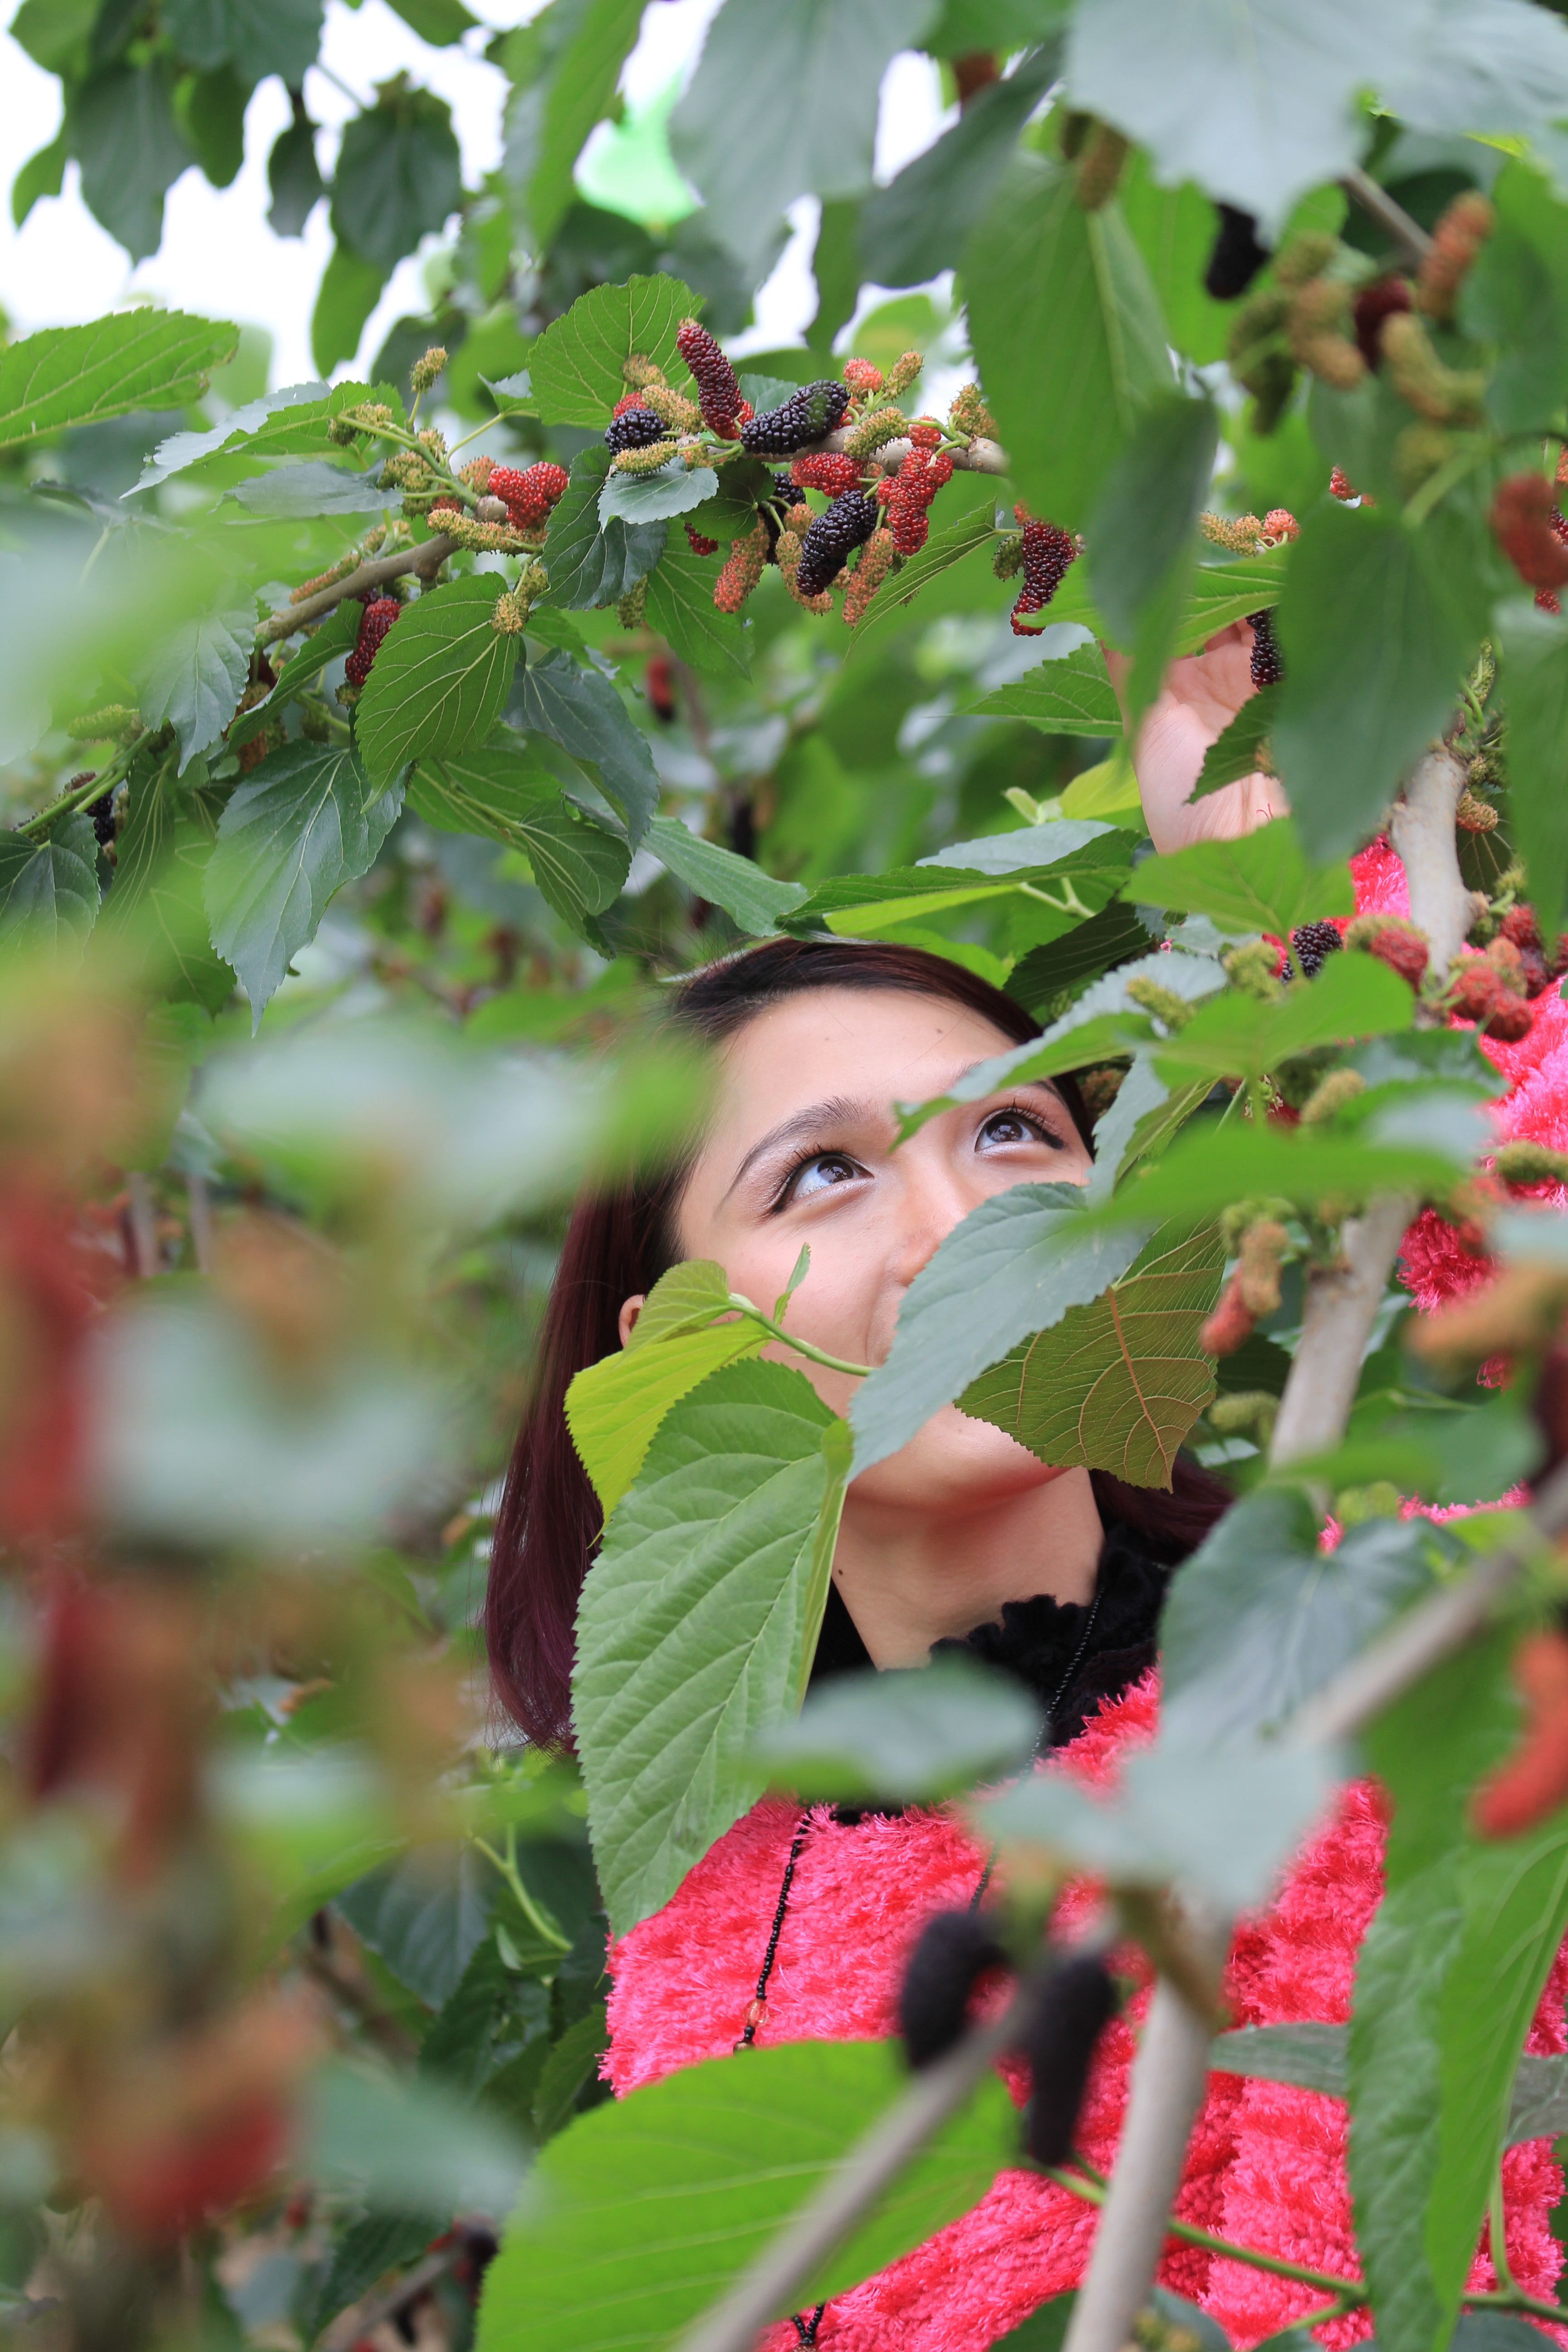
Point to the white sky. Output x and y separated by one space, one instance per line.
218 256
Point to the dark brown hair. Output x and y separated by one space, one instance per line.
618 1244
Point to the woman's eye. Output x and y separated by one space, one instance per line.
821 1174
1013 1127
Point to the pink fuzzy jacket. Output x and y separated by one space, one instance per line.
1267 2164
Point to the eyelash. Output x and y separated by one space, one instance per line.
803 1157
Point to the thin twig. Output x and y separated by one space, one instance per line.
769 2285
141 1225
424 561
1407 234
199 1207
360 2319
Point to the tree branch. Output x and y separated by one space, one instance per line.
1407 234
1422 826
1170 2071
424 561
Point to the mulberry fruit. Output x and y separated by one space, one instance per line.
1231 1325
742 570
699 544
1519 926
864 380
1076 2005
1267 665
1312 944
953 1952
1481 993
1235 256
375 623
1370 307
877 561
1047 551
847 524
1533 1780
827 471
529 494
658 684
815 409
1510 1019
1458 236
633 428
1395 943
101 811
1341 487
1529 531
718 388
918 479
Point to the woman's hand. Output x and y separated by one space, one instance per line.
1201 696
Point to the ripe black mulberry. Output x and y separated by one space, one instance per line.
815 409
847 524
1235 257
1075 2008
633 428
1267 662
1312 945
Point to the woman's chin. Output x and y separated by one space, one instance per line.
955 1465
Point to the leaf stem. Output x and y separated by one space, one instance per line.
1497 2236
1436 486
1347 2293
802 1347
506 1865
94 789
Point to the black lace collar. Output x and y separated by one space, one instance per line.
1070 1654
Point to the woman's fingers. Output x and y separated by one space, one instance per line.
1199 697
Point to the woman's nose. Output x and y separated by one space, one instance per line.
931 1199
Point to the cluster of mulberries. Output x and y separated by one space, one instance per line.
827 471
832 538
1268 662
815 409
529 493
636 427
1489 990
1047 551
718 389
1312 944
911 492
1538 970
374 621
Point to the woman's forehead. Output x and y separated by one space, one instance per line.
885 1044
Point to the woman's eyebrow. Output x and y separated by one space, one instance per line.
837 1110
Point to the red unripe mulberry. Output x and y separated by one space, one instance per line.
529 494
717 387
862 378
375 623
1519 926
658 684
1231 1325
1342 486
1395 943
1511 1019
1533 1780
1047 553
918 479
1529 531
828 470
1372 306
699 544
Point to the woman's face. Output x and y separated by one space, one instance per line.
801 1149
